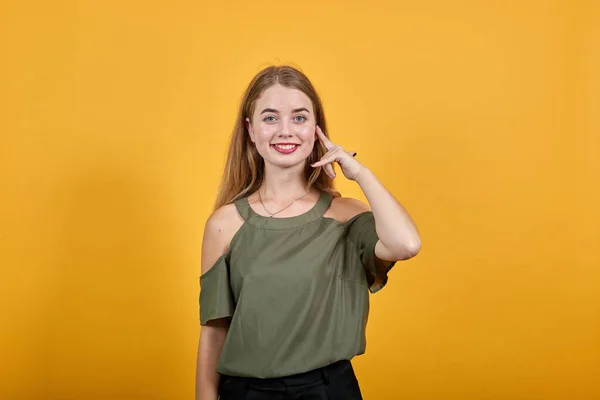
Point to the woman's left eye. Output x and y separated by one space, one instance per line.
300 118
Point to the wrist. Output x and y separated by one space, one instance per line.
363 175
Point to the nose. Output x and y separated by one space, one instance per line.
285 128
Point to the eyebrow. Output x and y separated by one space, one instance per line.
295 110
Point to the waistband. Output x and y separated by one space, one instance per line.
304 378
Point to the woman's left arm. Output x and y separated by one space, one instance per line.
398 235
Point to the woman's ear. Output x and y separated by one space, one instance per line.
249 129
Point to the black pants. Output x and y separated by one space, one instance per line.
333 382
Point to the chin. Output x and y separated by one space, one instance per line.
289 163
287 160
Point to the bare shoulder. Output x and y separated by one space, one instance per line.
345 208
219 229
223 218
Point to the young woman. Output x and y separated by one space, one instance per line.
287 263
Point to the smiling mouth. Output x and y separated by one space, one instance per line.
285 148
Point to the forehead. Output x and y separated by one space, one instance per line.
283 98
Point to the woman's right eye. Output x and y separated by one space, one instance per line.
269 119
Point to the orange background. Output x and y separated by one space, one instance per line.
481 117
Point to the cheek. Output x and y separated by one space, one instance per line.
307 134
264 133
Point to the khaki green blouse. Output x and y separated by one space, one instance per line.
296 289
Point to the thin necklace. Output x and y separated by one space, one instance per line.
270 213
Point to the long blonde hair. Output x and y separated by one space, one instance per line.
244 169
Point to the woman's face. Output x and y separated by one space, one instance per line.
283 126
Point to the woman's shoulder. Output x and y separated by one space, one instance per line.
223 221
220 228
344 209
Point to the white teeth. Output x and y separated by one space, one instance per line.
285 146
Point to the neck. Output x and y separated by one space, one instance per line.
283 184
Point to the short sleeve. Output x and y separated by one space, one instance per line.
216 297
361 232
